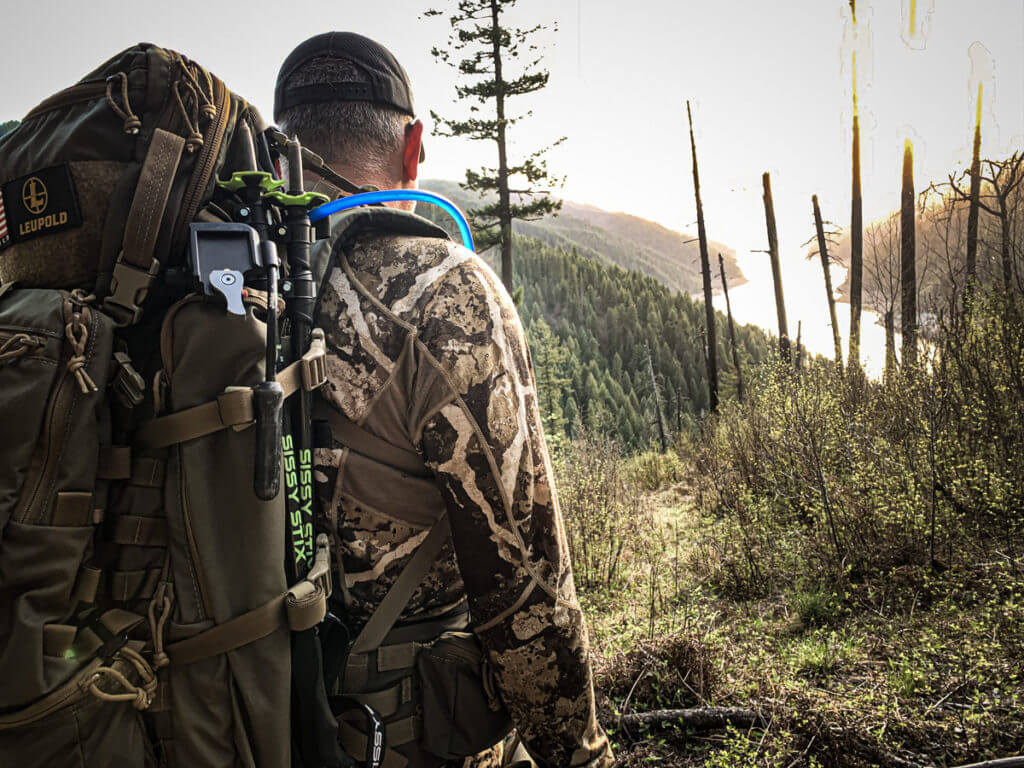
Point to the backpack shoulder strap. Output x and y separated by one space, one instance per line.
390 608
348 225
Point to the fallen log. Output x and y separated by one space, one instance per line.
697 718
1006 762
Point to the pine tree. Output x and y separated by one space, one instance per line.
481 48
549 360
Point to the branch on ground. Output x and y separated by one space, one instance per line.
697 718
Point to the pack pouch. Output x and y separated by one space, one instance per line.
462 712
56 648
230 704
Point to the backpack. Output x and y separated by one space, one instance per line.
146 613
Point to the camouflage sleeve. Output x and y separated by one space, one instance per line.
485 443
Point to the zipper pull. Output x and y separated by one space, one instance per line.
78 336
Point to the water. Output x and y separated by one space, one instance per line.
804 287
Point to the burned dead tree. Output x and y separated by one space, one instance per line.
773 255
732 331
659 417
819 228
975 199
856 222
908 262
705 269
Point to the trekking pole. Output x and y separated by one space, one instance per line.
268 395
314 725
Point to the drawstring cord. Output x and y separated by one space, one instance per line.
18 345
195 138
202 103
204 94
141 696
132 123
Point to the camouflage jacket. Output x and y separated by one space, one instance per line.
426 351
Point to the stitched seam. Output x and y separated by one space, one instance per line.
389 382
346 267
418 434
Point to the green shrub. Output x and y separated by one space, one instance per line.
652 470
824 477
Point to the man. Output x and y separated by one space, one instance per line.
426 356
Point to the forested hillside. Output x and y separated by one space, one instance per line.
615 238
590 327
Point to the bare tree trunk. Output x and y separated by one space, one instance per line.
908 271
973 209
732 332
662 436
856 240
705 268
825 266
799 360
504 200
1004 246
773 254
890 343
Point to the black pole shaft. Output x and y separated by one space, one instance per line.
268 396
300 303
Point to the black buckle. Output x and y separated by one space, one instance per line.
128 288
129 386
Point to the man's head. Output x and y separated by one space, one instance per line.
349 100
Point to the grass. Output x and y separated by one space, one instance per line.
913 669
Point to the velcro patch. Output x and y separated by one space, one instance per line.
39 203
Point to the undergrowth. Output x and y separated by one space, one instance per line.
840 555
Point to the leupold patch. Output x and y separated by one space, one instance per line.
40 203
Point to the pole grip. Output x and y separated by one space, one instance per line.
267 400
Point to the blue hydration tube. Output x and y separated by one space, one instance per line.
390 195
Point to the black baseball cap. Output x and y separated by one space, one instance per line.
388 82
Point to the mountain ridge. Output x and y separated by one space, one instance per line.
623 239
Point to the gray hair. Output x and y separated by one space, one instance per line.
361 133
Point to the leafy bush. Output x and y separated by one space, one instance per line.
604 515
652 470
824 477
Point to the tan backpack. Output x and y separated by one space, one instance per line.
145 613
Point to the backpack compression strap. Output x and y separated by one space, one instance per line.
233 408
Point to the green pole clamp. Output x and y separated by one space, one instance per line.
264 181
305 200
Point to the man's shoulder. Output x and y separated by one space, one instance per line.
418 277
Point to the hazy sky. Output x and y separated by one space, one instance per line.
769 84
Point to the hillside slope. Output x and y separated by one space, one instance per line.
627 241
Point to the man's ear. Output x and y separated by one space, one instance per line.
413 142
